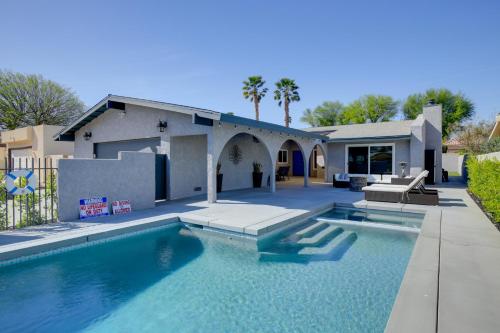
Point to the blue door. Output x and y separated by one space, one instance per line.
298 163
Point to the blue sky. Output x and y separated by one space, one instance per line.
198 52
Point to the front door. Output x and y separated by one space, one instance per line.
430 165
298 163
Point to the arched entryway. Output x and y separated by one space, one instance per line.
244 163
291 165
317 165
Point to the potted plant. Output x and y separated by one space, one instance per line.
219 177
257 174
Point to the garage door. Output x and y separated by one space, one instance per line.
20 157
111 149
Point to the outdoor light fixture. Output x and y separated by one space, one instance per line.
162 125
87 136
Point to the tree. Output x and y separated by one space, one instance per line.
29 100
286 92
456 108
370 108
326 114
252 89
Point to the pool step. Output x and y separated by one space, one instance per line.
312 229
330 247
320 236
381 226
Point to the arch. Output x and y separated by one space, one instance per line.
316 170
289 169
236 157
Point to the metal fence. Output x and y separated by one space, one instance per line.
36 207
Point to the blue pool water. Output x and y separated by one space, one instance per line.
311 278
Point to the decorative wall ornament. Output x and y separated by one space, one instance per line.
235 154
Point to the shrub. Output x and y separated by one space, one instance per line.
484 182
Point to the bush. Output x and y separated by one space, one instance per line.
484 182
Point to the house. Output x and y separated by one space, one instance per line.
24 146
188 145
378 149
495 133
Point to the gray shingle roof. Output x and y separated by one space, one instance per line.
365 131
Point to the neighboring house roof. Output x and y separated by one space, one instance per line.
114 101
496 129
368 131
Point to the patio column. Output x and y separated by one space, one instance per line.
273 176
306 172
211 170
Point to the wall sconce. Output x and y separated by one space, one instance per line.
162 125
87 136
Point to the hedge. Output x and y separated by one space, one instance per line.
484 183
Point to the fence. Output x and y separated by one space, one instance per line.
34 208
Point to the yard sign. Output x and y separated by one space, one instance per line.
121 207
93 207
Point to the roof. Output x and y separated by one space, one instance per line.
356 132
206 116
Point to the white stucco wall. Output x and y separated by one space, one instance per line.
239 176
188 166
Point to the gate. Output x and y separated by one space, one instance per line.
35 208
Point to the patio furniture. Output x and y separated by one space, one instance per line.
341 180
282 173
357 183
402 181
414 193
445 175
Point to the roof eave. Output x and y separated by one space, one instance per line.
371 138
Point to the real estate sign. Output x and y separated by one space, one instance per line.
121 207
92 207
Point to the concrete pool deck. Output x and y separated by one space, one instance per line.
451 283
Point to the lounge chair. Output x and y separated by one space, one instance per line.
414 193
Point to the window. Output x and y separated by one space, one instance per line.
370 159
315 159
381 160
358 160
283 156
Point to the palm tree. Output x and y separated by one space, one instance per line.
253 89
285 93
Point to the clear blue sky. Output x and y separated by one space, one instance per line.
198 53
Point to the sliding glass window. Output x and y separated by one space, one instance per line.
358 160
370 159
381 160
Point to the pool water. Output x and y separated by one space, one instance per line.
306 279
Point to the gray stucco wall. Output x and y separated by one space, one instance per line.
239 176
188 165
336 153
130 177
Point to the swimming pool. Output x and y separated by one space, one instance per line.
305 279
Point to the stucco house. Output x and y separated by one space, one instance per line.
25 145
188 144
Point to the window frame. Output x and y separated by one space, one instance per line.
369 145
284 153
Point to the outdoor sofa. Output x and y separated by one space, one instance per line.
413 193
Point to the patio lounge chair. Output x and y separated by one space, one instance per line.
414 193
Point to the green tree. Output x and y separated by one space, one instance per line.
456 107
370 108
326 114
29 100
252 89
286 92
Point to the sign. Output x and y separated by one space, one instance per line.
121 207
93 207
